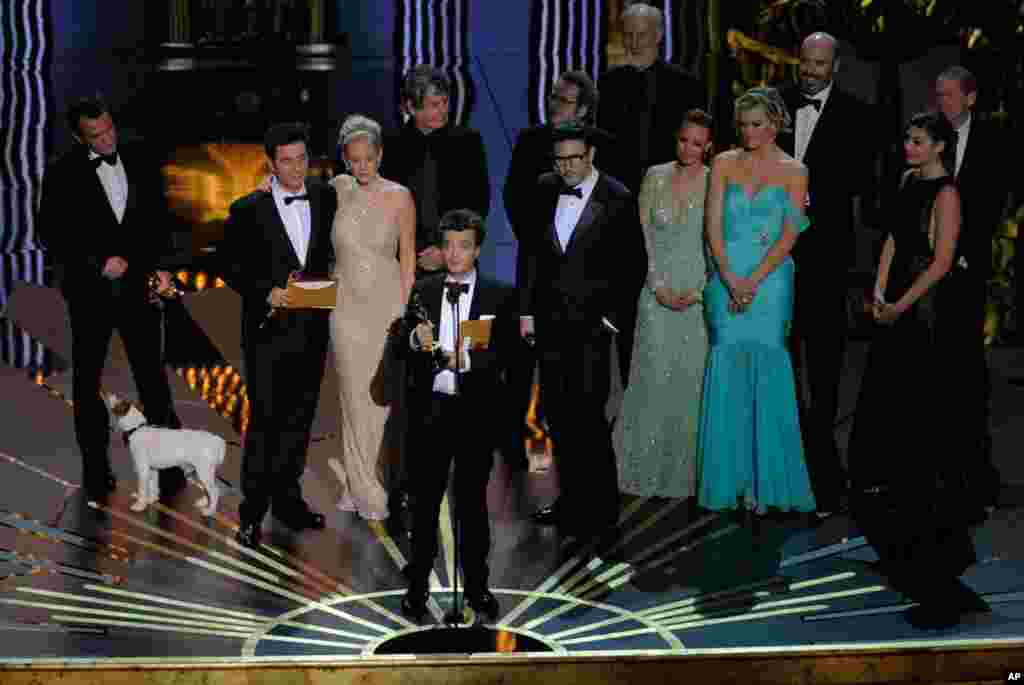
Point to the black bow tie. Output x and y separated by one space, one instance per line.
566 190
110 159
457 287
292 198
809 102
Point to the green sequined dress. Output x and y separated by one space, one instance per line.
655 437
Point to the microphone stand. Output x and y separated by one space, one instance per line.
454 617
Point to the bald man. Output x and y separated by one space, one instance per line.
828 137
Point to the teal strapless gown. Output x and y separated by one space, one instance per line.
750 447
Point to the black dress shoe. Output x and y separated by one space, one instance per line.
483 602
414 602
546 516
302 519
99 489
249 535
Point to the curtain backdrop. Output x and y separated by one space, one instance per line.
436 32
24 120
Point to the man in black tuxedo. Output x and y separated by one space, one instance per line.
574 98
269 237
103 218
452 412
642 106
984 187
443 165
583 267
824 118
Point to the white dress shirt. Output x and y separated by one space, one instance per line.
296 218
570 208
115 184
445 381
806 119
962 131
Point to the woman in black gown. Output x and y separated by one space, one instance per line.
909 442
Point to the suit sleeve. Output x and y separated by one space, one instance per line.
503 335
517 184
526 266
624 259
69 251
237 253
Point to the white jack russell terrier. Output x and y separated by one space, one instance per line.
156 448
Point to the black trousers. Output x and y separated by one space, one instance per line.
574 383
284 367
94 316
817 343
451 429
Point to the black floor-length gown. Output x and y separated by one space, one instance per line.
912 434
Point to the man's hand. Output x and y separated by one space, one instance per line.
425 334
114 268
450 356
279 297
430 259
526 330
164 287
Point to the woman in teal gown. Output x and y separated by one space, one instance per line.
751 455
655 437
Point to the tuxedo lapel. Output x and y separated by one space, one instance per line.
279 232
95 186
551 229
974 144
590 214
434 294
831 115
480 293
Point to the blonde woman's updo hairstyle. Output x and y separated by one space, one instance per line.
770 101
359 126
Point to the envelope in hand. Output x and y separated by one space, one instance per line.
312 294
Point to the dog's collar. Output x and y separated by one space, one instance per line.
127 435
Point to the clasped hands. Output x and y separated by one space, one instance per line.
743 291
884 312
678 300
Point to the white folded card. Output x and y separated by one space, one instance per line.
313 285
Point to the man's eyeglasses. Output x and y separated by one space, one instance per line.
561 99
567 159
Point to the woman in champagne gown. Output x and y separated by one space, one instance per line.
908 444
376 220
751 454
655 436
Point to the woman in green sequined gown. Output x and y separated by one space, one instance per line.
655 436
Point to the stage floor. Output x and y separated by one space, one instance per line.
167 584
